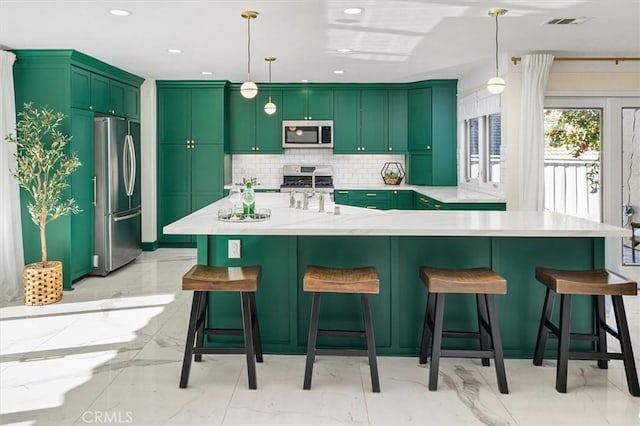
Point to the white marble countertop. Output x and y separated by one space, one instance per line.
357 221
444 194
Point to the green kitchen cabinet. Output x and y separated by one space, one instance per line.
82 144
402 199
62 81
95 92
432 138
307 103
251 130
419 104
397 106
374 199
341 197
423 202
346 123
374 121
191 134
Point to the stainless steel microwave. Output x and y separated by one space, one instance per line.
307 134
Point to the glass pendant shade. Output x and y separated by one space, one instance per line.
249 89
496 85
270 107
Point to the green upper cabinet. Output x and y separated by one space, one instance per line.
64 80
251 130
307 103
397 121
346 124
370 120
80 88
432 114
191 135
95 92
419 113
269 126
374 122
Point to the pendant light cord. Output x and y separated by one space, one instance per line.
496 45
248 48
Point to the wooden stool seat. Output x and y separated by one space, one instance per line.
597 283
202 279
363 281
216 278
338 280
474 280
484 283
591 282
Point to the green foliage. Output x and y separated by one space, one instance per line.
43 166
578 130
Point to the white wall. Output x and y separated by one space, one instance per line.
148 147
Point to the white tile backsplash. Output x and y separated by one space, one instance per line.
347 169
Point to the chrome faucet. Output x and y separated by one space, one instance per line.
313 179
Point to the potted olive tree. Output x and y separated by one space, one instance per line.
43 168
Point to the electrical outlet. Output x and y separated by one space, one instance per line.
234 249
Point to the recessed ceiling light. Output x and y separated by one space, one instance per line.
353 10
338 72
304 80
174 50
119 12
207 73
344 50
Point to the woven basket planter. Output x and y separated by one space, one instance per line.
42 286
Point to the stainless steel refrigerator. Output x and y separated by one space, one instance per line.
118 230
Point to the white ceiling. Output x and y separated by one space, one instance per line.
392 41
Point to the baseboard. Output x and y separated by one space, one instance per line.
152 246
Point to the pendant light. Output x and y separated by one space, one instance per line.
496 84
249 89
270 107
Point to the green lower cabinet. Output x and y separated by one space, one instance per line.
402 199
380 200
398 310
419 169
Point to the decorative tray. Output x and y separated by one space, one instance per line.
237 216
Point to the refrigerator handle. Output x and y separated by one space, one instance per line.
95 191
129 165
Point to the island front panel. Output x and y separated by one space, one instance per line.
398 311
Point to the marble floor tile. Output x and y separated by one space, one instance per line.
111 353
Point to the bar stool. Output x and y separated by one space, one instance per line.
484 283
596 283
202 279
363 281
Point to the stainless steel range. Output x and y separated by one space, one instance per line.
307 178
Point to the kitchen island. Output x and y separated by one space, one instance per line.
396 242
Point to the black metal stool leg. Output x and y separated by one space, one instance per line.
625 345
191 335
599 321
498 355
311 344
248 339
541 340
426 328
436 344
257 343
371 343
563 343
482 316
203 303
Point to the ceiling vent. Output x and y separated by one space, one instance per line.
565 21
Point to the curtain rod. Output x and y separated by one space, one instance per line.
516 59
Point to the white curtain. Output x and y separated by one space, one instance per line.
11 256
534 81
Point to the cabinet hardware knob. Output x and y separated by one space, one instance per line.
390 149
257 148
362 148
90 107
253 148
428 146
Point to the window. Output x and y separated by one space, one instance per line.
483 147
